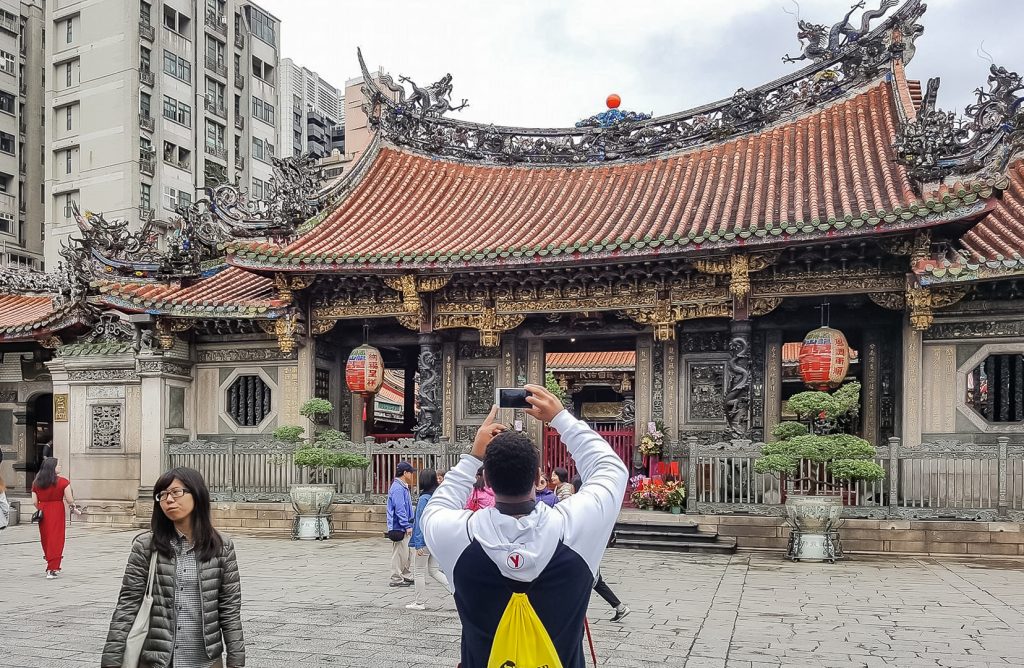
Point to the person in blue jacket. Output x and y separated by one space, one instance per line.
400 523
423 561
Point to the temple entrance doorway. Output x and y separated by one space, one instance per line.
596 378
38 434
394 406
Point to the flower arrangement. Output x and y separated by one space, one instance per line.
648 493
651 443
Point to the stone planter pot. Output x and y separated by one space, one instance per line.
814 520
312 504
676 510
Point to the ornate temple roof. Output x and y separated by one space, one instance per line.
828 173
229 292
624 360
34 305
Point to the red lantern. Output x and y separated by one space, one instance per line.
613 101
824 358
364 371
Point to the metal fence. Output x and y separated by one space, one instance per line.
938 480
264 470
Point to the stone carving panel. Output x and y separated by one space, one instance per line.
478 392
705 391
245 355
106 426
658 382
105 392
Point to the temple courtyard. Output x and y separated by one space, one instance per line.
329 605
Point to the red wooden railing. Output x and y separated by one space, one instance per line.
555 454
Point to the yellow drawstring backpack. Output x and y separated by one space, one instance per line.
521 641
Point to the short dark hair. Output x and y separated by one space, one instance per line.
207 541
562 473
511 463
428 481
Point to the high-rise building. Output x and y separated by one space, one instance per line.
21 133
312 113
140 125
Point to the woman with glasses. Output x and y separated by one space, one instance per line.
50 493
197 598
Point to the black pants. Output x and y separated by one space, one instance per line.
605 592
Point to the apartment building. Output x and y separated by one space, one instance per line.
139 126
312 113
21 133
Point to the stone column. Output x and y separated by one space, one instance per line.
448 393
912 355
772 382
737 395
428 425
644 385
671 385
153 402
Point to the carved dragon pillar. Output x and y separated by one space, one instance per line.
737 396
428 422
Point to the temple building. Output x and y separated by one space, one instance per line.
658 268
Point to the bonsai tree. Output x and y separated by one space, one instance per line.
551 383
818 438
319 452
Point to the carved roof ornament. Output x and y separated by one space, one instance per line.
859 58
820 42
939 143
179 247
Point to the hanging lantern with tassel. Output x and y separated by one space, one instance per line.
824 358
364 371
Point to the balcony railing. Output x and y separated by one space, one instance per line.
218 22
214 108
146 76
146 122
217 66
146 31
9 23
217 151
239 80
145 213
239 122
239 40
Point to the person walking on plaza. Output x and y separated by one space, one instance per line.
522 571
601 587
50 493
423 561
399 518
196 614
5 506
563 487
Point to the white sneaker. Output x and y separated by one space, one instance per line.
51 575
415 606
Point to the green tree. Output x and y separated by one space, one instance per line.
319 451
551 383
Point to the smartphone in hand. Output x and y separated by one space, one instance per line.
511 397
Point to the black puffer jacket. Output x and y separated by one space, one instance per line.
222 606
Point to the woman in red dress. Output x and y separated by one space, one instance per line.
49 494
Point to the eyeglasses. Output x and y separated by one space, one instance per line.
175 493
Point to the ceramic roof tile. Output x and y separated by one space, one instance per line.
24 317
231 292
595 360
831 171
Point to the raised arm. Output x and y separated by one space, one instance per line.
445 518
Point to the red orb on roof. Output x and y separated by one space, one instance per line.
613 101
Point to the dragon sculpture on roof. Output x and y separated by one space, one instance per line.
823 43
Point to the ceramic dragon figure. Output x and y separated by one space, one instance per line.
822 43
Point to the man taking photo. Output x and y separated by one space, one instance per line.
523 560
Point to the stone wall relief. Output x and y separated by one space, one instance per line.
106 429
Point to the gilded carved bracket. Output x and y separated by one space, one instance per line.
489 322
166 328
738 268
287 330
409 307
287 284
412 288
922 302
666 314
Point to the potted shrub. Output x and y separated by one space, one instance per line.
318 458
812 456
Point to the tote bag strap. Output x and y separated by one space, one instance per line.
152 573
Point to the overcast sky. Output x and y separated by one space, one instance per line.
551 63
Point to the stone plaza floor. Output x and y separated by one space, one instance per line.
328 604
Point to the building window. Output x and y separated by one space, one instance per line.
67 74
214 134
179 112
145 106
7 143
215 93
6 103
69 205
173 198
8 63
249 401
262 26
6 223
67 116
214 51
257 188
67 161
257 149
263 71
176 21
145 12
262 110
995 388
177 67
146 196
70 30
